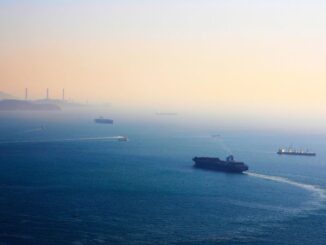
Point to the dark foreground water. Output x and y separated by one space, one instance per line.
66 183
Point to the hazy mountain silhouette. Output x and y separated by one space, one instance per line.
21 105
5 96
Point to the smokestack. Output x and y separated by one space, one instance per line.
47 93
63 94
26 94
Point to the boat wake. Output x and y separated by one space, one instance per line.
318 192
94 138
105 138
34 130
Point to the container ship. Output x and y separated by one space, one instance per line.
215 164
290 151
103 120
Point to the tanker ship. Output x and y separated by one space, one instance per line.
215 164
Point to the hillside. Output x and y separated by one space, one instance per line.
21 105
5 96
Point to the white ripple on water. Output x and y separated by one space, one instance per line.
318 192
104 138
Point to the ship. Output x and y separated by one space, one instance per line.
103 120
166 114
122 138
215 164
294 152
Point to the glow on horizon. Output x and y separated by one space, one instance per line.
198 55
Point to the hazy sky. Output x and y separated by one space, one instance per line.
205 55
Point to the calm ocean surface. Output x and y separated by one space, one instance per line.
61 182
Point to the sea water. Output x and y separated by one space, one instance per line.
66 180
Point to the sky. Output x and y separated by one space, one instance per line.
240 57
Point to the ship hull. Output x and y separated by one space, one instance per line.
297 154
215 164
103 121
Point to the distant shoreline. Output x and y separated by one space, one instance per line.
20 105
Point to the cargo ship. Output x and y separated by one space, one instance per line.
215 164
294 152
103 120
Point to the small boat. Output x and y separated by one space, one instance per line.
122 138
216 135
103 120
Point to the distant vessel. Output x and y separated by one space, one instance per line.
122 138
216 135
103 120
214 163
291 151
166 114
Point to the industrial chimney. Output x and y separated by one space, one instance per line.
47 94
26 94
